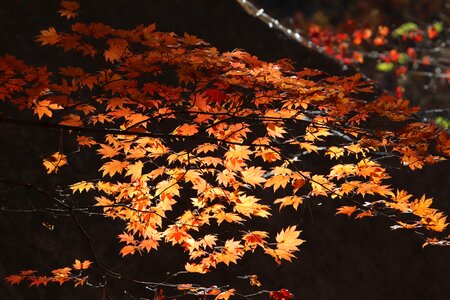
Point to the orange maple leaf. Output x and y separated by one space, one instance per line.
14 279
186 129
49 37
68 9
112 167
225 295
129 249
253 175
86 141
78 265
346 210
72 120
196 268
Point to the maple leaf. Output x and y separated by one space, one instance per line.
268 155
135 170
228 217
36 281
71 71
129 249
176 235
232 251
68 9
294 200
112 167
186 286
254 280
287 239
78 265
127 238
225 295
411 159
192 39
275 130
208 240
80 281
54 162
364 214
255 238
245 107
49 37
62 272
85 141
253 176
248 206
195 268
281 178
14 279
282 294
117 49
309 147
149 244
321 185
108 151
81 186
27 272
72 120
42 110
205 148
421 207
346 210
186 129
86 109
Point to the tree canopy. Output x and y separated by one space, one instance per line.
202 150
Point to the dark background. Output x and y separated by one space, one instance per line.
342 258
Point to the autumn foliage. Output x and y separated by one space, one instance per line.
190 141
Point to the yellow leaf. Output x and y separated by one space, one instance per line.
81 186
135 170
421 207
254 280
287 239
54 162
253 175
309 147
107 151
208 240
195 268
335 152
275 130
294 200
321 186
205 148
254 239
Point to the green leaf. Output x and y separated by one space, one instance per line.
442 122
404 28
403 58
438 26
385 67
